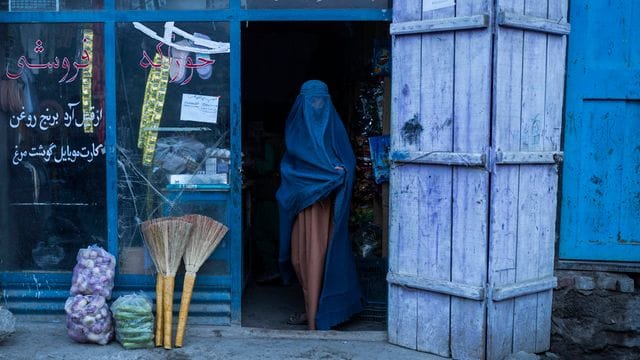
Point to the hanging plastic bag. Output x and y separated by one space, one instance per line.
89 319
134 320
94 272
177 154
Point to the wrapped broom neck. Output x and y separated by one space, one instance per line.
167 239
151 229
206 235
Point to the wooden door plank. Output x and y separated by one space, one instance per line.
440 25
554 100
532 208
406 217
534 23
434 258
547 180
434 249
437 87
534 71
405 104
469 261
470 186
537 222
556 53
507 90
455 289
502 258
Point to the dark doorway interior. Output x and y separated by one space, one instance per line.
277 58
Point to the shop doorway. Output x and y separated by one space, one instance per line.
352 58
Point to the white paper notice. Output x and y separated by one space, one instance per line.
430 5
200 108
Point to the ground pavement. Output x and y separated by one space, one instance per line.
49 341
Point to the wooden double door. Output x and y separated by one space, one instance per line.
477 101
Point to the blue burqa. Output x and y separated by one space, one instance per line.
316 144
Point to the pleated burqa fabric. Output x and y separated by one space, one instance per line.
318 165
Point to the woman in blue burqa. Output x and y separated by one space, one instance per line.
317 173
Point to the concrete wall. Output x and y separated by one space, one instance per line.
596 315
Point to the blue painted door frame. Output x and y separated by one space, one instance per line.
45 292
601 175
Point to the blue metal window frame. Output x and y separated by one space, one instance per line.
49 285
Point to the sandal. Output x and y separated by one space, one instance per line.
297 319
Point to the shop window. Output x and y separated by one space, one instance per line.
172 4
52 144
173 130
49 5
315 4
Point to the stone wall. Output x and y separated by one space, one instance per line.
596 315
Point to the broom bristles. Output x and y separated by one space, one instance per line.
153 238
206 235
166 239
175 243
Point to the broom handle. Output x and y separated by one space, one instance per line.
159 308
169 282
187 292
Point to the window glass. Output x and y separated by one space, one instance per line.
315 4
172 4
52 152
49 5
173 126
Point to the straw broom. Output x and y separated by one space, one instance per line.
205 236
175 244
172 234
153 240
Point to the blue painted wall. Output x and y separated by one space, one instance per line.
600 215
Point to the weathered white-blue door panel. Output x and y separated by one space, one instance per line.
469 260
557 11
445 109
423 247
601 174
481 284
471 130
520 211
536 234
403 320
528 87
